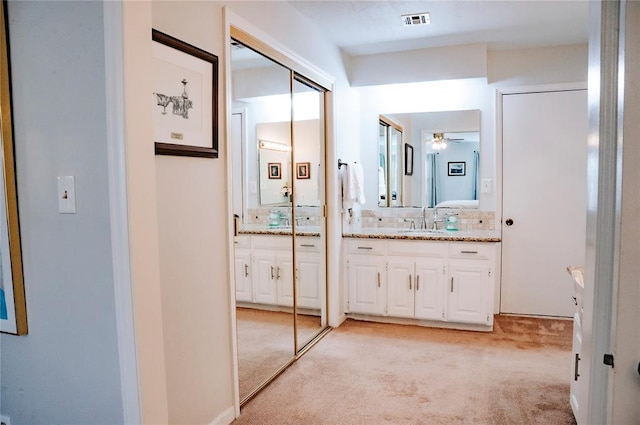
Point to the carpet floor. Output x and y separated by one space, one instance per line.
373 373
265 343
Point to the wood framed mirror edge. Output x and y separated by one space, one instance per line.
16 325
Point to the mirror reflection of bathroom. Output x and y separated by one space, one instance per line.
278 190
446 158
265 335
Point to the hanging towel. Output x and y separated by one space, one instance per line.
352 186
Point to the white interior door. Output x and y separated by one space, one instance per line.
543 200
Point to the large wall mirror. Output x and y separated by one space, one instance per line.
445 158
278 189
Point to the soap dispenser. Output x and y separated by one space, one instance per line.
274 218
452 222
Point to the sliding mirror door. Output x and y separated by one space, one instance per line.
278 178
308 196
261 101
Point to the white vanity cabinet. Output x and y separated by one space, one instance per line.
243 268
415 279
427 280
471 269
244 286
366 266
271 275
309 274
264 270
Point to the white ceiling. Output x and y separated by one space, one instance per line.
375 26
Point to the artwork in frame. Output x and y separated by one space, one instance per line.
303 170
13 310
408 159
457 168
184 98
275 170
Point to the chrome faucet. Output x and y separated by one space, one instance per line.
423 223
436 220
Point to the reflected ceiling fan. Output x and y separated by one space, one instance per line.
439 141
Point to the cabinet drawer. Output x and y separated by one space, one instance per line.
367 246
418 249
477 251
304 244
272 242
242 241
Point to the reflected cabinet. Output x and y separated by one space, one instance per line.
278 174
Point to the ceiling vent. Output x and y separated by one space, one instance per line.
416 19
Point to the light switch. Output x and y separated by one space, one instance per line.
66 195
485 186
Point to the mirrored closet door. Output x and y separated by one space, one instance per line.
277 132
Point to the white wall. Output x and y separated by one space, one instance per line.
66 369
192 212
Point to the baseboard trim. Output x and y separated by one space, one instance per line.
225 418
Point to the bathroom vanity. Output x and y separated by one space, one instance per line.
265 272
442 279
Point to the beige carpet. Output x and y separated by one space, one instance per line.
371 373
265 343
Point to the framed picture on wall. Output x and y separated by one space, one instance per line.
13 309
275 170
408 159
457 168
303 170
184 98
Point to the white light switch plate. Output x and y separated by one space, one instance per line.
66 195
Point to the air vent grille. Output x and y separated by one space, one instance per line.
416 19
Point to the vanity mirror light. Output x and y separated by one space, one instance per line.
446 155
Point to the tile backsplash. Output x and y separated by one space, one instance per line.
393 218
468 219
306 216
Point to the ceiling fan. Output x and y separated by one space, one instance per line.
439 141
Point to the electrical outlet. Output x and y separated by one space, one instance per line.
5 420
485 186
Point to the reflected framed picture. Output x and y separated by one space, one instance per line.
408 159
184 98
457 168
275 170
13 309
303 170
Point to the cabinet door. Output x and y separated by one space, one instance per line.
575 375
400 287
308 278
429 289
468 292
366 281
264 277
284 278
244 288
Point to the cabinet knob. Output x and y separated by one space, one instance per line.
509 222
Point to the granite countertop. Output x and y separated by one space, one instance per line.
261 229
422 235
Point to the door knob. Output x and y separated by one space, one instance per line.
509 222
